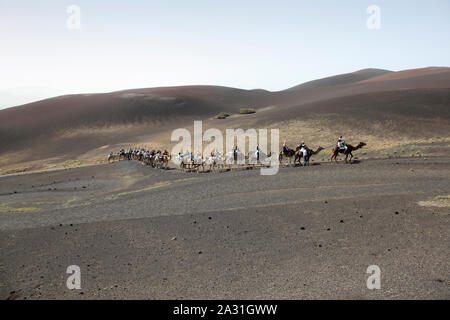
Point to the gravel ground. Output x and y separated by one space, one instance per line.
305 233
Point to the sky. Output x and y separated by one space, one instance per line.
246 44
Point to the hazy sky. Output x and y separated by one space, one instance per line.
247 44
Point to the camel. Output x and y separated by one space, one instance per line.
161 160
111 157
165 160
309 153
236 158
150 160
197 163
346 152
289 154
186 163
253 160
215 162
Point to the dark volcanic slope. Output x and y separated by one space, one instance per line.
412 113
21 126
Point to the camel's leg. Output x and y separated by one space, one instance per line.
333 156
351 157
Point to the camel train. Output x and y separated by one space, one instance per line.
217 162
155 159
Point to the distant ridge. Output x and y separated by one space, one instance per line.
409 73
341 79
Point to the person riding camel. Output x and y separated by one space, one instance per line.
166 153
303 145
342 145
285 148
303 148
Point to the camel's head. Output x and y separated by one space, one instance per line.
320 148
362 144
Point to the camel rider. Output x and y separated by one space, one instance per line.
342 145
285 148
166 153
304 148
303 145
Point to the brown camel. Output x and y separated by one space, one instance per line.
309 153
166 159
112 157
346 152
162 161
289 154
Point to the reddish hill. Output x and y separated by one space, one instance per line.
72 125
